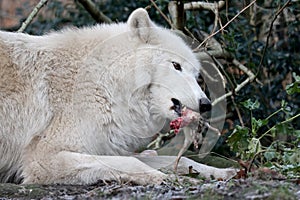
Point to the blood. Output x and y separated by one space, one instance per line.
187 116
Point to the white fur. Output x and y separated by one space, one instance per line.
75 104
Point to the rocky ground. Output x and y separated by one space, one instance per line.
186 188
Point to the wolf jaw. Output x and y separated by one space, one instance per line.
177 106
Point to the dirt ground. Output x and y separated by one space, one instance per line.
183 188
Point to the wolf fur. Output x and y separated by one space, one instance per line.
76 104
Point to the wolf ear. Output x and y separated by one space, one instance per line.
140 24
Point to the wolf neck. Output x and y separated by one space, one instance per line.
138 126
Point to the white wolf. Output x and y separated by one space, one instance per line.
76 104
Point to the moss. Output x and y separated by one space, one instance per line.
26 191
282 193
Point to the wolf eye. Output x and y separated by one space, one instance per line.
177 66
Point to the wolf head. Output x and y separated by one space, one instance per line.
172 66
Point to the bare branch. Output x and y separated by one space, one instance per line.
215 53
32 15
243 68
223 53
177 14
94 12
203 5
269 34
216 11
238 88
222 28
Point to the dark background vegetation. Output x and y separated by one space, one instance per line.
249 133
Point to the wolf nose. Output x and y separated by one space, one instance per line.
204 105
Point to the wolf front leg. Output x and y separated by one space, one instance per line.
59 155
167 162
76 168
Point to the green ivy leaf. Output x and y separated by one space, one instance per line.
238 140
256 124
296 77
270 155
272 152
254 146
296 133
283 130
283 103
295 157
294 87
250 104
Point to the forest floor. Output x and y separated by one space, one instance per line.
184 188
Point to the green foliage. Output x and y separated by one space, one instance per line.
239 141
281 155
245 38
251 105
294 87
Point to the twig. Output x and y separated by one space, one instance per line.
269 35
243 68
222 28
212 53
221 67
159 139
206 124
250 74
237 111
238 88
162 14
250 78
94 12
207 75
32 15
283 122
216 12
222 53
252 160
